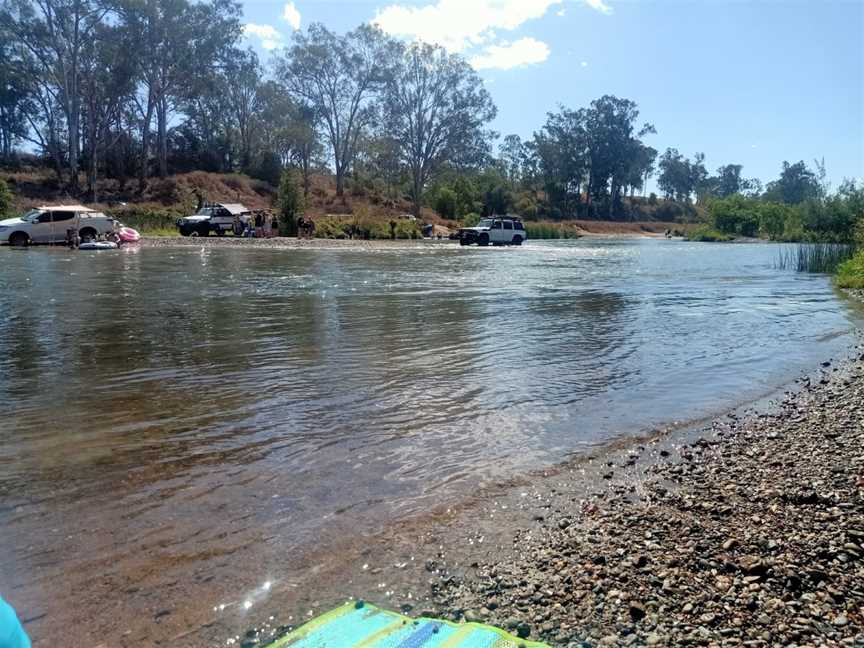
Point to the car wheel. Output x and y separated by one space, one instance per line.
483 240
19 239
204 230
463 242
220 232
517 240
87 234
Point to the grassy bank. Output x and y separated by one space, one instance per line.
850 273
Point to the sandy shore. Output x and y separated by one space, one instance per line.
748 530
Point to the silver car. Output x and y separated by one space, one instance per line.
51 224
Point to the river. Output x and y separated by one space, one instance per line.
181 423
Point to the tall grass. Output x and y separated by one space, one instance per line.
814 257
551 231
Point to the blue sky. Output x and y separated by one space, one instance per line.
753 83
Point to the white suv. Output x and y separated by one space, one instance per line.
50 225
497 231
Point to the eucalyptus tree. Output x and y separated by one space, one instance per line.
437 110
54 34
339 78
15 97
179 41
108 77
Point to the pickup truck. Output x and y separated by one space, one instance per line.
216 218
50 225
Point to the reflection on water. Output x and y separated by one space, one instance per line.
209 410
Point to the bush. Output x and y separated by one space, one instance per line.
470 220
850 273
148 220
551 231
446 202
289 203
5 199
707 234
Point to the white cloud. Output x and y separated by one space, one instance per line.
269 37
561 13
600 6
460 24
291 15
584 64
525 51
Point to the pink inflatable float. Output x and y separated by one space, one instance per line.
128 235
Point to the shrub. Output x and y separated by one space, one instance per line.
445 202
470 220
551 231
707 234
267 167
289 203
850 273
5 198
148 220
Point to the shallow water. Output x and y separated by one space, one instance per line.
177 417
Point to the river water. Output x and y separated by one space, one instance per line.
176 420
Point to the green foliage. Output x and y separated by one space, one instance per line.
470 220
850 273
365 225
547 230
5 199
289 203
797 183
147 220
267 167
707 234
446 202
735 215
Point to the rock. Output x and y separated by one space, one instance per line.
841 620
637 610
471 616
731 543
653 639
523 630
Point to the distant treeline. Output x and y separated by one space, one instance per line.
128 89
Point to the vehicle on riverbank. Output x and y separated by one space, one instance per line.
51 225
216 218
494 231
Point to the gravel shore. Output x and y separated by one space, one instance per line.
752 535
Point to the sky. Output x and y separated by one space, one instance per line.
751 83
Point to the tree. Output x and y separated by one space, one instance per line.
14 96
796 184
242 85
289 203
512 156
445 202
180 41
679 177
107 83
436 109
338 77
55 34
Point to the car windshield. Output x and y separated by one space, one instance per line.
486 222
205 211
31 215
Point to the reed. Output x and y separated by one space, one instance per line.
814 257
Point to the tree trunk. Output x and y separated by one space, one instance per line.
418 188
143 171
162 136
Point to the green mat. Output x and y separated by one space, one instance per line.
359 625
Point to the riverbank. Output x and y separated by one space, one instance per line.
588 229
746 531
753 534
